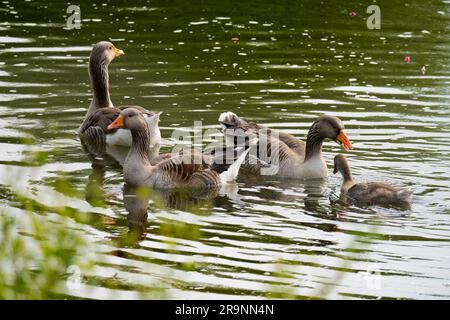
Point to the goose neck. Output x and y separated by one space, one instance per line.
314 143
346 174
140 145
99 75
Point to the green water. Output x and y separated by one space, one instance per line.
278 63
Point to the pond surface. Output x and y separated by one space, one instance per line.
281 64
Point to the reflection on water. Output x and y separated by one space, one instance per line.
282 67
136 203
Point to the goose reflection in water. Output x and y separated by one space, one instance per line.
287 190
137 201
111 157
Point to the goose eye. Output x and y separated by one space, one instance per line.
130 115
110 48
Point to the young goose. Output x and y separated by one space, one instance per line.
168 172
368 193
295 158
101 111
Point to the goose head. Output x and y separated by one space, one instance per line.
104 52
330 127
129 118
229 120
340 163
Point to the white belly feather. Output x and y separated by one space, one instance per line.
312 168
121 137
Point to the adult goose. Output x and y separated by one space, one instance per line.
368 193
169 170
282 154
101 112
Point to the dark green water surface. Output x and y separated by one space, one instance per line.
279 63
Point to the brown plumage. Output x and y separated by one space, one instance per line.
231 121
368 193
282 154
166 171
101 113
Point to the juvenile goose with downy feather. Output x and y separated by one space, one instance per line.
368 193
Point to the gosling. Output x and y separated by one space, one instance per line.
369 193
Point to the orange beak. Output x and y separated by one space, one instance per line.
343 140
118 123
118 52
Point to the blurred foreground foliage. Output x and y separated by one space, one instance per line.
35 255
38 250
